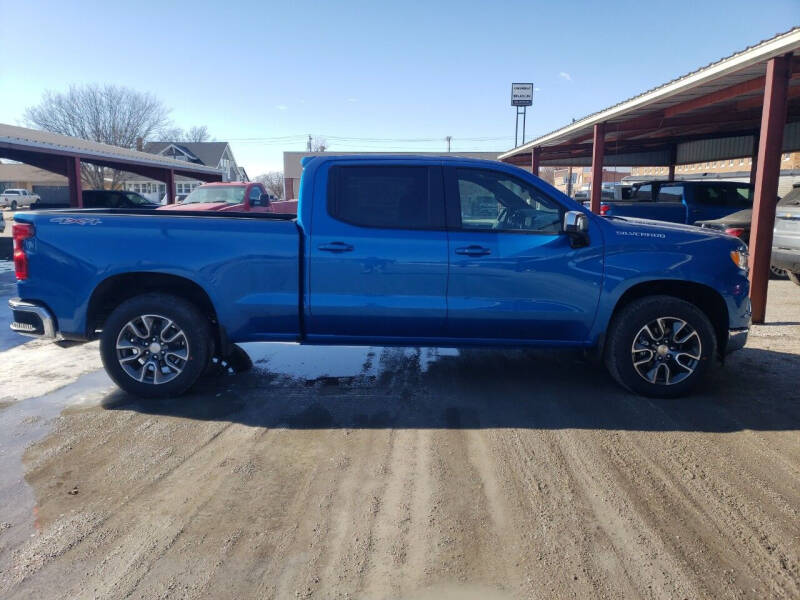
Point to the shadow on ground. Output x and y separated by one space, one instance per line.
407 388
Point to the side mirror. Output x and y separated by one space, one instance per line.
576 226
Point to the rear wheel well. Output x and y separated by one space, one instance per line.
704 297
117 289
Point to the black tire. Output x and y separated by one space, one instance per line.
776 273
13 205
196 339
625 334
793 277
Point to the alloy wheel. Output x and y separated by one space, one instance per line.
666 351
152 349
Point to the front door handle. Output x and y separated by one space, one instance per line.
335 247
473 250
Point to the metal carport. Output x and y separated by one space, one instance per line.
63 154
747 104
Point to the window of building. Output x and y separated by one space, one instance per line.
786 156
184 188
387 197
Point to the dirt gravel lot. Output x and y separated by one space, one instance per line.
404 473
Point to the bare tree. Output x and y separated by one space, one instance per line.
273 181
110 114
194 134
317 144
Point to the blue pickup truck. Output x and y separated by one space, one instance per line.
681 201
388 250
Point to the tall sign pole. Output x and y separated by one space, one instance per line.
521 98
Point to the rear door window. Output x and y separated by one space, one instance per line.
741 196
643 193
389 197
724 195
670 194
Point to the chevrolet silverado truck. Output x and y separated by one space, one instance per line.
412 251
681 201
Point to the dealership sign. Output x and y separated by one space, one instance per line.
521 94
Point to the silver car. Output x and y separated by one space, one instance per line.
786 236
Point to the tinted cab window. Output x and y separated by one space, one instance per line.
391 197
491 200
642 193
670 193
724 195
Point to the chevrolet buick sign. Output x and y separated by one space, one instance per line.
521 94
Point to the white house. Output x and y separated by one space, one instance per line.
210 154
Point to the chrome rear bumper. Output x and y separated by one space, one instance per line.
31 319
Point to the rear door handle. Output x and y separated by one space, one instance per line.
335 247
473 250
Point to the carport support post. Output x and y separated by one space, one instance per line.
170 181
74 179
754 159
598 149
773 119
673 158
536 157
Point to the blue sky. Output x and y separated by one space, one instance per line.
369 70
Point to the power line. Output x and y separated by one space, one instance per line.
303 137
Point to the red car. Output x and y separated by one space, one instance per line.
235 196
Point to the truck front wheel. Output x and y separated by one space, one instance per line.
660 346
155 345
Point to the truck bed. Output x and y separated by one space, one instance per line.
248 263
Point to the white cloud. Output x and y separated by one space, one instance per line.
565 75
281 106
352 99
537 89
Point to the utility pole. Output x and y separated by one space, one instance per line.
308 147
569 183
448 139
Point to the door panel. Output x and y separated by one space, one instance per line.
532 287
522 284
366 277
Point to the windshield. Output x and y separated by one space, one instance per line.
137 198
226 194
792 198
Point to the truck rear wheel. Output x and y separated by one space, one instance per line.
155 345
660 346
793 277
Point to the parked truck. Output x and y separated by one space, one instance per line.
685 202
15 198
417 251
234 196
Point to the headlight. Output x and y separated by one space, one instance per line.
740 258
